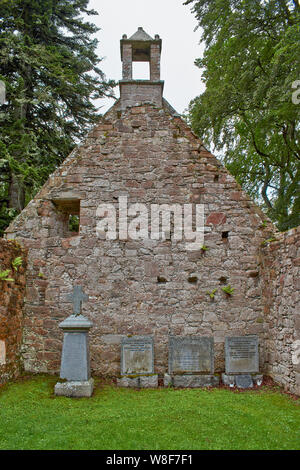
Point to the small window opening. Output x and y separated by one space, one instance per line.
225 236
161 279
70 216
216 178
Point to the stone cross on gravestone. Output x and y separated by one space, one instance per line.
77 298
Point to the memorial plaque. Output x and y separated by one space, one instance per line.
137 355
244 381
191 355
241 354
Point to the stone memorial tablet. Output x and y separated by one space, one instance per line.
243 381
241 354
191 355
137 355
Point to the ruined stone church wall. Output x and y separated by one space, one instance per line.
151 287
281 291
11 314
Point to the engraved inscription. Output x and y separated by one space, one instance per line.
190 355
137 356
241 354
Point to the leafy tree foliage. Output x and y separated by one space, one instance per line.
49 65
250 63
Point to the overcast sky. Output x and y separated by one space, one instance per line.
174 23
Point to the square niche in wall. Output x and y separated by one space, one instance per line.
69 208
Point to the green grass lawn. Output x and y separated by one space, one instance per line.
31 417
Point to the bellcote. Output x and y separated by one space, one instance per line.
140 47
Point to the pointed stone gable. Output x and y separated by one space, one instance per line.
141 35
141 149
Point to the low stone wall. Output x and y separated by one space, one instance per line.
281 285
11 315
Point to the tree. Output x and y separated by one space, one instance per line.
50 69
250 63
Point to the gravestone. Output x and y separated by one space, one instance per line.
244 381
137 362
75 361
241 361
241 354
191 362
191 355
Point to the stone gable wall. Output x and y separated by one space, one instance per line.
281 291
140 287
11 315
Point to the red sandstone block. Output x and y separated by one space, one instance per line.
216 218
39 262
138 110
236 196
132 184
195 198
65 243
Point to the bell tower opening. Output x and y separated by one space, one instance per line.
140 55
140 70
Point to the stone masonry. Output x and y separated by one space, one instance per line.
11 315
144 150
281 291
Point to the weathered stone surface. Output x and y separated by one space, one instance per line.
241 354
244 381
191 354
11 314
77 297
75 361
137 355
280 273
148 153
168 380
76 389
150 381
125 294
228 380
257 379
129 382
195 381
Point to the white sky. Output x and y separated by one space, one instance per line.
174 23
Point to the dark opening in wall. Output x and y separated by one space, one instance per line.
216 178
192 279
225 236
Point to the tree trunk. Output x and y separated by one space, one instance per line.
16 193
